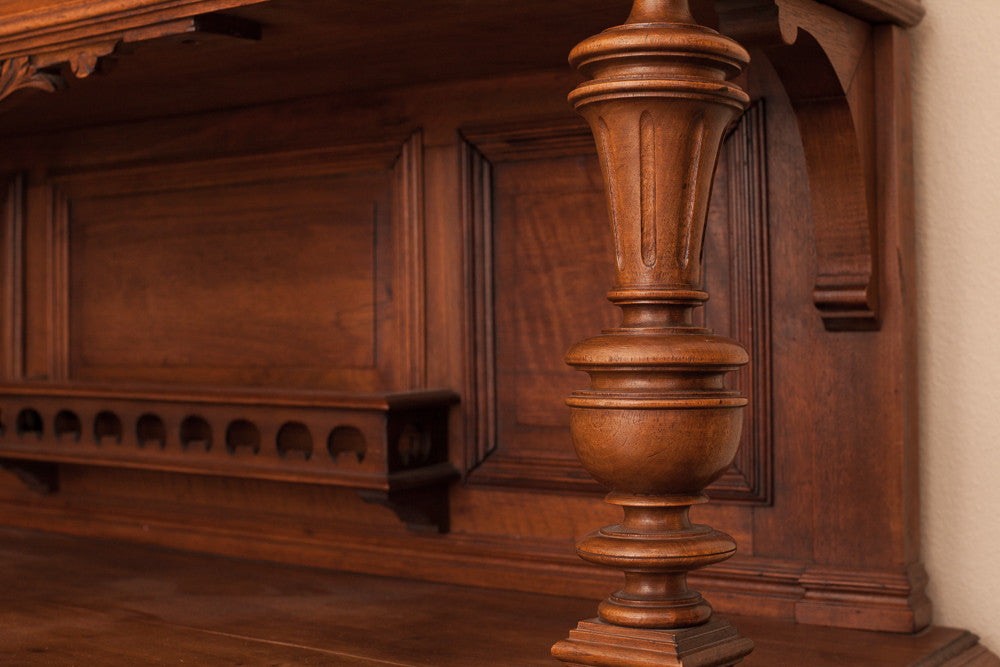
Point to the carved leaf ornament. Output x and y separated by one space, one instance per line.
18 73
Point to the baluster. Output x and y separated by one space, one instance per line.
657 424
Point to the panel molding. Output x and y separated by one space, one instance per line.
480 377
255 167
481 147
59 301
12 277
749 479
44 204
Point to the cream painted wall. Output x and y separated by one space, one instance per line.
957 145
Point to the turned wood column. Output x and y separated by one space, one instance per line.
657 424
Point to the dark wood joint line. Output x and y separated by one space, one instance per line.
42 477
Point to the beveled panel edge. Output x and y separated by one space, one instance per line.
480 376
480 147
532 138
59 282
749 479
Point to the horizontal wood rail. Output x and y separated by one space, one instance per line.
391 447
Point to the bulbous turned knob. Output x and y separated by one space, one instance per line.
657 418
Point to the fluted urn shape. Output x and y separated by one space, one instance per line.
657 425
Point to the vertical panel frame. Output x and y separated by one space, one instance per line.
749 479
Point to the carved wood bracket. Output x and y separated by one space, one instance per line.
824 59
47 70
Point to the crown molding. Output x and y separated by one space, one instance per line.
30 27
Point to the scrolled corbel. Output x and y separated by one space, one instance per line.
823 58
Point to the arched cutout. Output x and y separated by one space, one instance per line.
295 437
195 432
107 426
242 434
29 421
149 430
68 423
346 439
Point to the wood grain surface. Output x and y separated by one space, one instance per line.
69 601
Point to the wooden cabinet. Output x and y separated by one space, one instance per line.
293 280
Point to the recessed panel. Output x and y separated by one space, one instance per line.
263 283
553 266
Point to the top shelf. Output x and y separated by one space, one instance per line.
308 48
29 25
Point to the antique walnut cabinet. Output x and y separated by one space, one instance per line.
292 283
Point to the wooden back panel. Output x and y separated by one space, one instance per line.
447 235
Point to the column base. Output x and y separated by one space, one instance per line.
596 643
